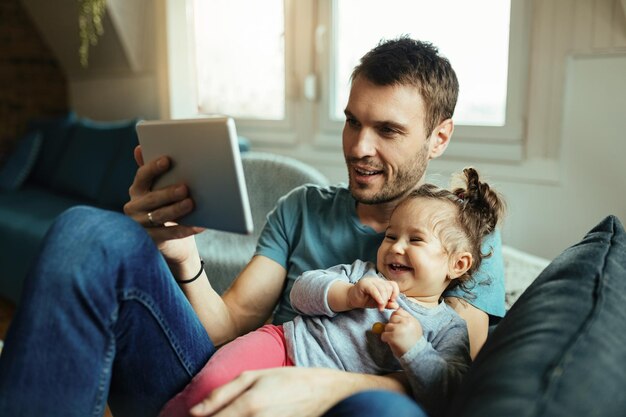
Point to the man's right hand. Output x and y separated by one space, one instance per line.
158 210
289 392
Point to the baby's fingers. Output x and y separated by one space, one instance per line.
379 297
395 292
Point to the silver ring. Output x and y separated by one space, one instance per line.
151 220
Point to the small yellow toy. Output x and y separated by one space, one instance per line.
378 327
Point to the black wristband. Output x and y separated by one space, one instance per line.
187 281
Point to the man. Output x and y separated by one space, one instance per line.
398 117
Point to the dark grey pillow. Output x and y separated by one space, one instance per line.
561 349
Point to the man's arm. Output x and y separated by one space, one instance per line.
477 323
290 392
244 307
247 304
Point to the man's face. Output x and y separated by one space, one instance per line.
384 143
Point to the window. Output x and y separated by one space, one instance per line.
282 67
480 36
240 72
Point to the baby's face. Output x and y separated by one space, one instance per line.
411 253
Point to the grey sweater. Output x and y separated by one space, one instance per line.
434 366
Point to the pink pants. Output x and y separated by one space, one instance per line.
261 349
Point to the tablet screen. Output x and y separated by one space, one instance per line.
205 156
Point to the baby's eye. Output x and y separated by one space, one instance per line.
416 239
392 238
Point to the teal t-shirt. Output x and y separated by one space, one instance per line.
316 227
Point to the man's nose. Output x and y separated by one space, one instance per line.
364 144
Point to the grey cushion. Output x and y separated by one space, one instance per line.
268 177
561 349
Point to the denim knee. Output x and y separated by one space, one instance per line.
377 404
84 241
84 226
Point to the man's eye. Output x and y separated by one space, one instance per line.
352 122
387 131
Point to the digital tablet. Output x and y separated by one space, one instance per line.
204 155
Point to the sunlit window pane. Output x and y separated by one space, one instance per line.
475 38
240 57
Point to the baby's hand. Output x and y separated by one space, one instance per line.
401 332
373 292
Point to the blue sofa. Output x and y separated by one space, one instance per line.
59 163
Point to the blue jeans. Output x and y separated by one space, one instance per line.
101 319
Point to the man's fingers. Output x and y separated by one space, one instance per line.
147 173
167 210
161 234
168 204
138 155
223 396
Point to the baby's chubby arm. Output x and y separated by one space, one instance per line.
368 292
341 288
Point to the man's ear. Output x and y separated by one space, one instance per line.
440 138
460 264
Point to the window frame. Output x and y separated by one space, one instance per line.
308 53
181 76
500 143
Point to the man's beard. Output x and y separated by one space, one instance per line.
407 177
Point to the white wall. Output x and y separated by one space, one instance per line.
116 97
544 220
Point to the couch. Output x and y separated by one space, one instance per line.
60 162
560 349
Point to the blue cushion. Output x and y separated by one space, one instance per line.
90 151
120 174
25 217
19 164
55 132
561 349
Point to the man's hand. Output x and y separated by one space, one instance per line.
288 392
372 292
157 210
401 332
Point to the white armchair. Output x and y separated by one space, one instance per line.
520 270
